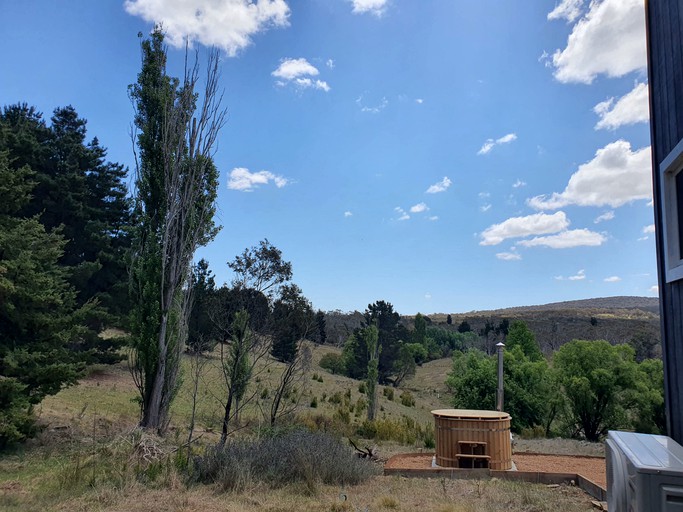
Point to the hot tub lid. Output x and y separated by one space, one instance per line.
470 414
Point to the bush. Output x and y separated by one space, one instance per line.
405 431
333 363
293 457
389 393
407 399
17 422
362 388
314 402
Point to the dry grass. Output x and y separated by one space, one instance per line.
77 465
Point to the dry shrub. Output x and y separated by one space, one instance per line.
295 457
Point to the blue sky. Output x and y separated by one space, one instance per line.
442 155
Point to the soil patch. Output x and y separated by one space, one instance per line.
592 468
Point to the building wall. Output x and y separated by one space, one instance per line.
665 74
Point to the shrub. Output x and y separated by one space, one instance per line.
299 456
333 363
362 388
407 399
335 398
389 393
314 402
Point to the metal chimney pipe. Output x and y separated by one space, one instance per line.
499 393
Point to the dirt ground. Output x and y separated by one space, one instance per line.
592 468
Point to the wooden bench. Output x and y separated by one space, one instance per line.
469 460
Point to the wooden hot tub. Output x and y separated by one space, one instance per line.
473 439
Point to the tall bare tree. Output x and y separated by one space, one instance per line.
175 197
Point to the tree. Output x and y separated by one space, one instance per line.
261 268
449 319
371 336
80 192
464 326
521 336
37 310
391 335
237 368
174 207
595 377
320 321
292 320
200 331
420 332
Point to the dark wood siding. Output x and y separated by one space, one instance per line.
665 74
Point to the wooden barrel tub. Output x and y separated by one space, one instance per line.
473 439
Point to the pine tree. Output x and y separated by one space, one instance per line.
36 309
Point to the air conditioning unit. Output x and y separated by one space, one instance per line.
644 473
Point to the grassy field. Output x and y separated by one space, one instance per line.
90 456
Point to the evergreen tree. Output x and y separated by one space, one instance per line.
464 326
320 321
293 320
420 332
449 319
37 319
521 336
200 331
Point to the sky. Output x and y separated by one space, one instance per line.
442 155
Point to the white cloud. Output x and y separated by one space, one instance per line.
428 296
330 63
566 239
376 7
612 279
609 215
609 39
245 181
226 24
491 143
649 229
516 227
419 208
348 214
372 110
434 218
519 183
419 101
484 195
402 215
631 108
654 289
441 186
567 9
299 73
579 276
485 208
508 256
615 176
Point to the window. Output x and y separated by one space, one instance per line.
671 173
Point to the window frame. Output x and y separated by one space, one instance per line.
669 169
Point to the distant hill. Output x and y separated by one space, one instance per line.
615 319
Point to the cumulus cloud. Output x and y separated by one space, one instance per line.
616 176
579 276
609 39
567 9
226 24
330 63
441 186
609 215
484 208
631 108
402 214
348 214
243 180
508 256
434 218
519 183
649 229
491 143
419 208
299 72
566 239
419 101
517 227
612 279
376 7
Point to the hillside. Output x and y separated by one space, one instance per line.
615 319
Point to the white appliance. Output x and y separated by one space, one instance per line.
644 473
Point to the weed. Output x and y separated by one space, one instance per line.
388 502
407 399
